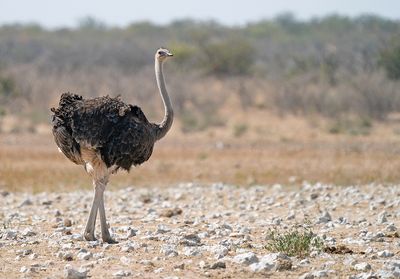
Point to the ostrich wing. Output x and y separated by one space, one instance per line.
119 132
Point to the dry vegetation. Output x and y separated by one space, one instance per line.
271 150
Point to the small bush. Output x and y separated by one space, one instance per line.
239 130
390 60
355 127
293 242
229 57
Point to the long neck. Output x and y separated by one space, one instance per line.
166 123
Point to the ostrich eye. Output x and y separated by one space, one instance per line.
160 52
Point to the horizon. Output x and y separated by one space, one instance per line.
121 13
103 23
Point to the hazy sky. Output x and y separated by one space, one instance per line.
53 13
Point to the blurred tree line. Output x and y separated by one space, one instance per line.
333 66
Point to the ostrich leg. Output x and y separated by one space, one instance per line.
91 222
105 234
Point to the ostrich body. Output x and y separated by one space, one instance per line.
104 135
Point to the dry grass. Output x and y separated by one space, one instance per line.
273 150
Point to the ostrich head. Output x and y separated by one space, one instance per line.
162 54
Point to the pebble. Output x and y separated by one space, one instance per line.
26 202
191 240
324 218
67 222
28 232
169 251
382 219
307 275
84 255
385 254
274 261
246 258
131 232
122 273
72 273
125 260
218 265
362 267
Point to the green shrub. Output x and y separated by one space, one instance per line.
390 60
293 242
239 130
233 56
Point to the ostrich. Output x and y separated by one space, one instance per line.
104 135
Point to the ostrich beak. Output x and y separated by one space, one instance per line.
169 54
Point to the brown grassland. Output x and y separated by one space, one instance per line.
271 150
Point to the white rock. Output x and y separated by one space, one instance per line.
28 232
273 261
33 256
362 267
131 232
84 255
307 275
26 202
320 273
191 251
125 260
219 251
246 258
324 218
169 250
391 228
10 235
364 275
385 254
24 269
122 273
72 273
382 218
159 270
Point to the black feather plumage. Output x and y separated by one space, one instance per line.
120 133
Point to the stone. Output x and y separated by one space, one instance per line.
218 265
131 232
72 273
84 255
273 261
191 251
307 275
25 202
320 273
219 251
171 212
191 240
362 267
382 218
246 258
324 218
169 250
122 273
385 254
67 222
125 260
28 232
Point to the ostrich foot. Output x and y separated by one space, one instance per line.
89 236
109 240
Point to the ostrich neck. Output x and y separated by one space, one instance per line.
166 123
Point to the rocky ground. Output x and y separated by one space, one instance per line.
197 231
